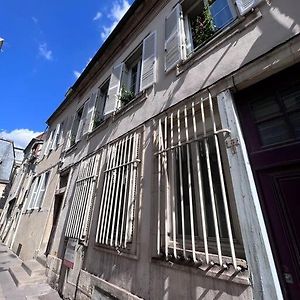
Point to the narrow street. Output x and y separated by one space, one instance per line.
8 288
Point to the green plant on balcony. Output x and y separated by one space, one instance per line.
126 96
202 27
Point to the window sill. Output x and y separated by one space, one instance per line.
72 148
141 97
99 127
213 271
218 39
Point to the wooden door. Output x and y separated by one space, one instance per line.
270 117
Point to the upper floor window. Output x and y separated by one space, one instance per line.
100 102
130 82
193 23
37 191
77 126
133 75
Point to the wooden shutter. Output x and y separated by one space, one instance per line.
246 5
89 114
33 192
55 138
173 51
49 143
82 121
148 72
68 137
101 98
114 89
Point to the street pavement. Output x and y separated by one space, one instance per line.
8 289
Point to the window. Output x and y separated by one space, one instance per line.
100 103
133 75
193 23
195 208
76 131
81 207
130 82
118 196
37 191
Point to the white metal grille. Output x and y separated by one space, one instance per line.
116 214
193 220
80 212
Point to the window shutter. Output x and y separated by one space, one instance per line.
56 135
43 149
82 121
32 192
100 105
89 114
148 72
173 51
114 89
41 190
68 138
49 143
246 5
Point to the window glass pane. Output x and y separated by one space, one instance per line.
264 108
273 131
295 121
292 100
221 13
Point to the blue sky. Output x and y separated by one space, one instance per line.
47 45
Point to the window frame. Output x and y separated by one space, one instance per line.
114 163
169 242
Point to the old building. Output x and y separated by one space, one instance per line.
170 169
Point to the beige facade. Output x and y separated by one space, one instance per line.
115 186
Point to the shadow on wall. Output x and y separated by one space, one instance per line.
174 284
285 25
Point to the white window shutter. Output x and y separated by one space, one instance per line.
48 143
100 103
114 89
55 138
148 72
68 135
173 45
246 5
82 122
89 114
43 149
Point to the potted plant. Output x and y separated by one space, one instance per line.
126 96
202 27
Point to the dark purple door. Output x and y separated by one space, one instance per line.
270 119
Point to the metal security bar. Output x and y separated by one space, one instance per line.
193 216
116 214
80 212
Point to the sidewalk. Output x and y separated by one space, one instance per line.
8 288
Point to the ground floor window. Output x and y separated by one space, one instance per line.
116 218
82 200
196 212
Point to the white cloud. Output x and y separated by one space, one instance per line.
97 16
45 52
20 137
77 73
116 13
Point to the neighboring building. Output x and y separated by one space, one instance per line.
171 167
25 161
10 160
